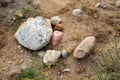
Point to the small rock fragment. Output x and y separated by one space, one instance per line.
51 57
103 5
66 70
10 62
84 47
55 20
57 36
64 54
117 3
97 5
77 12
19 47
58 27
41 54
19 14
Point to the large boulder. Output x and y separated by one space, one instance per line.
51 57
85 47
35 33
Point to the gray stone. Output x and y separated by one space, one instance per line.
55 20
51 57
103 5
35 33
64 54
84 48
77 12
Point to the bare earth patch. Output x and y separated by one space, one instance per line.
13 57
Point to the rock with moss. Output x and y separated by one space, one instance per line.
35 33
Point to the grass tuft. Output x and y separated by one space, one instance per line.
84 8
110 67
27 74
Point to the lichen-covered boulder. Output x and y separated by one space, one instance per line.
35 33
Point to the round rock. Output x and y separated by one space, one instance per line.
35 33
64 54
77 12
58 27
55 20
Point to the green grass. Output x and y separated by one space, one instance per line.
36 71
21 15
27 74
84 8
117 29
110 67
16 24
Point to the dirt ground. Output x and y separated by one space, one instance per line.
97 22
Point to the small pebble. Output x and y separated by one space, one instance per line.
104 6
9 62
61 76
77 12
97 5
64 54
58 27
55 20
66 70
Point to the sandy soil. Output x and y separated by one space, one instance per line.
97 22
